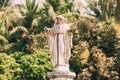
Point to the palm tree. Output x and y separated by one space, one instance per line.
8 16
60 7
103 9
29 26
20 35
27 31
107 8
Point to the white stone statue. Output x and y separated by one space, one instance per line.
60 43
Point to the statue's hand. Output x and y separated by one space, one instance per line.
47 29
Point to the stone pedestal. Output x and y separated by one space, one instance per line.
61 73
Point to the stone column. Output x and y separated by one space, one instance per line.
61 73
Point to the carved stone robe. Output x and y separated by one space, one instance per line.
60 43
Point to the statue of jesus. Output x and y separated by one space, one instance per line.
60 43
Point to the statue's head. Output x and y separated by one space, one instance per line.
60 19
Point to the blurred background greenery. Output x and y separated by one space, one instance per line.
95 25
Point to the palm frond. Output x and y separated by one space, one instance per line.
13 13
71 17
19 28
62 2
51 12
2 24
2 38
2 27
10 14
31 6
36 21
54 3
4 3
1 15
41 3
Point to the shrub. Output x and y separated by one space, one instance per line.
101 36
9 69
96 60
34 66
79 57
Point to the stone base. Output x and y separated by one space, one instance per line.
61 75
61 68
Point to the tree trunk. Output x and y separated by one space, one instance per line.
117 12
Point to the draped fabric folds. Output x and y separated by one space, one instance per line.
60 43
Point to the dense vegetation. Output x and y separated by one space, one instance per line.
96 39
23 66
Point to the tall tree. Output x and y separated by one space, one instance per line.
8 15
117 12
103 9
20 35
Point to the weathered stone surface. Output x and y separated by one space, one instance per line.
60 43
61 75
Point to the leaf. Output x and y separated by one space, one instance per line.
3 39
2 24
19 28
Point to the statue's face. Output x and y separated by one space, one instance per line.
59 20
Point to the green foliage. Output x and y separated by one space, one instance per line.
118 58
30 13
1 26
61 6
34 66
31 6
117 17
20 37
9 69
98 62
99 65
104 37
24 66
17 56
103 9
109 38
54 3
95 55
80 56
4 3
84 75
32 24
67 6
18 46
